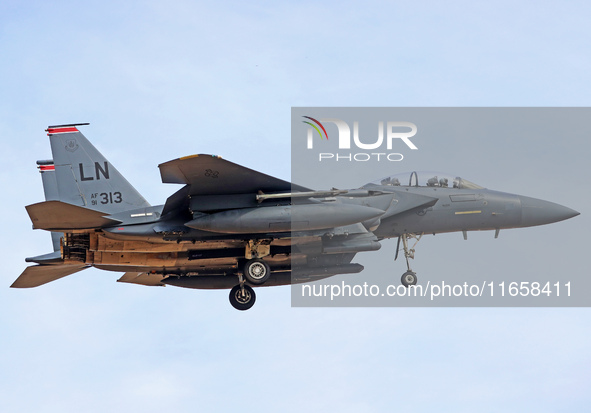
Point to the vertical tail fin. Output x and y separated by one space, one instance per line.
47 170
84 177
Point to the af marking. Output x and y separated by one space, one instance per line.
106 198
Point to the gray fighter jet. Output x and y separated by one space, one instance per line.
230 227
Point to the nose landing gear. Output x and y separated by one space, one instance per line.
409 277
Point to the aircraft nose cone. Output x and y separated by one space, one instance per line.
538 212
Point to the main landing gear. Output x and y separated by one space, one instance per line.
242 296
409 277
255 271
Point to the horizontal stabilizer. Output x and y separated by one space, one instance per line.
37 275
142 278
51 258
59 216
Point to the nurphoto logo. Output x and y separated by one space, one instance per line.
393 130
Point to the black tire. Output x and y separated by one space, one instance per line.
240 302
409 278
256 271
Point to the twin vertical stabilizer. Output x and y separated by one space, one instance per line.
85 178
81 187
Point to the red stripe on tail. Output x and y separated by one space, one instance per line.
52 131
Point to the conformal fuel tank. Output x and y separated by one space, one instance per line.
284 218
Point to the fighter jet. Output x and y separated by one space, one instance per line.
230 227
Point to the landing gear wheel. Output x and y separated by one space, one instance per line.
256 271
409 278
242 299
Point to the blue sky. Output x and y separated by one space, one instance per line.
159 80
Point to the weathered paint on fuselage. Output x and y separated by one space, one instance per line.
170 247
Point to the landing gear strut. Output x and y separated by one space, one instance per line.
242 296
255 271
409 277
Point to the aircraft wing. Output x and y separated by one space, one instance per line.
212 175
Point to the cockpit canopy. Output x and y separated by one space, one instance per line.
426 179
